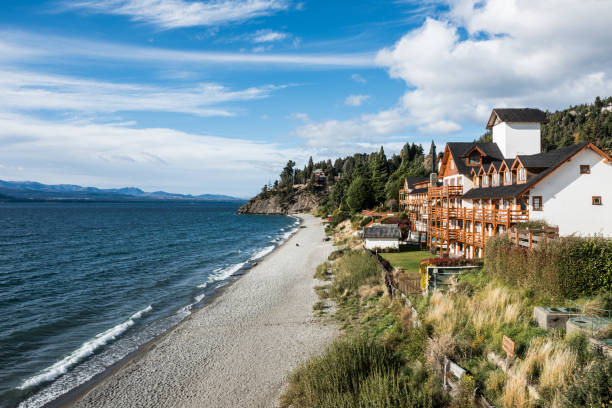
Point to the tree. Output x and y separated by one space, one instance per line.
309 168
359 194
380 175
286 177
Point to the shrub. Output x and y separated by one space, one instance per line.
532 225
365 221
353 270
359 372
592 386
567 267
321 271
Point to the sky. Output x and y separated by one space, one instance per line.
195 96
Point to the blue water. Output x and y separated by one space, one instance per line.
84 284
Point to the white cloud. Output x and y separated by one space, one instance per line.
89 153
29 91
299 116
262 36
169 14
358 78
356 100
518 53
25 47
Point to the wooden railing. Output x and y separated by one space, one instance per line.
494 215
445 191
530 238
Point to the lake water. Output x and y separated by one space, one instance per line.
82 285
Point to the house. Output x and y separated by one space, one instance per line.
487 188
413 201
382 236
319 177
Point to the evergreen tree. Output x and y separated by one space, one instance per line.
359 195
380 175
287 174
309 168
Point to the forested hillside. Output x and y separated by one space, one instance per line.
373 180
580 123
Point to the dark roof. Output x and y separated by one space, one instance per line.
413 180
382 231
495 192
548 161
460 149
419 191
516 115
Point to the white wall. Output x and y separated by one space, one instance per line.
381 243
566 197
517 138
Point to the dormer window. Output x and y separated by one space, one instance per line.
496 180
522 175
452 164
474 158
507 177
485 181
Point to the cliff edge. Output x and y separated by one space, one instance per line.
288 201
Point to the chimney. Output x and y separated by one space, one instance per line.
433 157
516 131
433 179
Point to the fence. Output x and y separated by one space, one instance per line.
529 238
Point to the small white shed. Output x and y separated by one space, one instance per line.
382 236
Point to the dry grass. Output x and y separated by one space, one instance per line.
495 305
437 348
368 291
537 355
558 369
516 394
443 312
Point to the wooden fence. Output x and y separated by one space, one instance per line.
530 238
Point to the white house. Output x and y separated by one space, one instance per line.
490 187
382 236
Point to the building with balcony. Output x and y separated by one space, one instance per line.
487 188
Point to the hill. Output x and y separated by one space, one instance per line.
31 190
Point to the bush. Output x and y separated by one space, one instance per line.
365 221
568 267
353 270
359 372
453 262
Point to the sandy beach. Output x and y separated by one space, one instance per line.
238 350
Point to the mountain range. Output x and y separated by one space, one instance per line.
31 190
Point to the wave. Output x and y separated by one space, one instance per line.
222 273
86 350
263 252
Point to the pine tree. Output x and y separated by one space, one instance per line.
380 175
359 195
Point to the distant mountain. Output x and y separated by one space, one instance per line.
31 190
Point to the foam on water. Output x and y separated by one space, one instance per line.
86 350
263 253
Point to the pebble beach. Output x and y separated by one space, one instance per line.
238 350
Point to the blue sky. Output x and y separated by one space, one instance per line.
215 96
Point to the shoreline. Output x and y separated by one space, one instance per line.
73 395
81 395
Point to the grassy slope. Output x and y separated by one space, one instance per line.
408 261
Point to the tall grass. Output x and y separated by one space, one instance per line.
355 372
354 270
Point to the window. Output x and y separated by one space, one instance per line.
596 200
496 179
474 158
536 203
452 164
507 177
485 180
585 169
521 174
459 181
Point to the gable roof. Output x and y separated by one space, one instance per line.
382 231
515 115
548 161
461 149
411 181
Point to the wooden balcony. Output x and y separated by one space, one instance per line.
445 191
492 216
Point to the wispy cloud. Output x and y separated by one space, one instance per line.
90 153
356 100
299 116
32 91
358 78
263 36
20 46
169 14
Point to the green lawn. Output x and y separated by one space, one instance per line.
408 261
